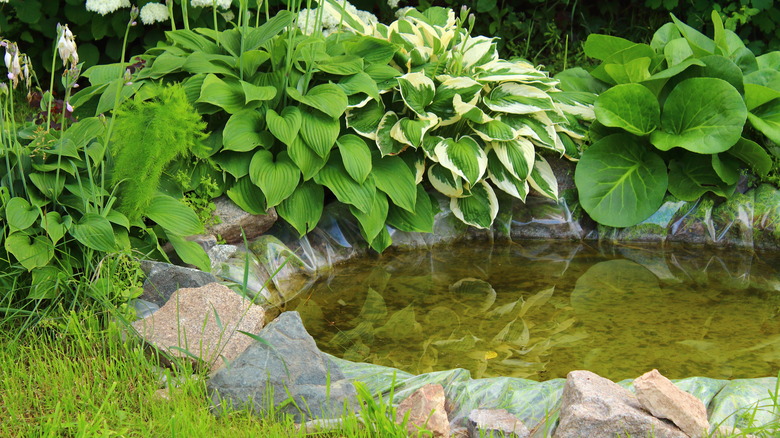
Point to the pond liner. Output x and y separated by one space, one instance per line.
290 265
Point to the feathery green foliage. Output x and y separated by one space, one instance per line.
149 135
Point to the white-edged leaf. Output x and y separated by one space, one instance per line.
494 130
517 156
513 98
417 91
445 181
384 139
365 120
504 180
542 178
479 209
464 157
411 132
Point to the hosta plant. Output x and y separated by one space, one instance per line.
680 114
469 121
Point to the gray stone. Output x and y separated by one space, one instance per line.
425 410
595 407
237 223
203 323
658 395
285 374
163 279
497 423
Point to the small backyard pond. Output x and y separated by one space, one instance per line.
538 310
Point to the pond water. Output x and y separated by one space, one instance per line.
538 310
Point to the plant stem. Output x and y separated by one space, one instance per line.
120 83
51 87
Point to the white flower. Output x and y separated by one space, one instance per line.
12 63
4 1
393 3
224 4
104 7
66 46
153 13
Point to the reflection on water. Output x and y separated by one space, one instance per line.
539 310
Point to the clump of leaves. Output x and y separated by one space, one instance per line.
149 135
674 117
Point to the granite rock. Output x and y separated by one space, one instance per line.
658 395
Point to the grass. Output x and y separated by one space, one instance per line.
74 377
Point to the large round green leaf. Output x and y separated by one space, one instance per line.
620 181
702 115
303 208
276 178
690 178
752 154
629 106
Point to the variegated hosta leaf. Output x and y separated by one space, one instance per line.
416 162
542 178
494 130
476 51
479 209
384 140
505 181
419 56
517 156
429 146
417 91
518 71
462 88
411 132
539 132
445 182
464 157
365 120
469 111
576 103
513 98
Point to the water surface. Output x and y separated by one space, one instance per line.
538 310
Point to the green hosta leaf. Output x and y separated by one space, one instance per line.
411 132
463 157
727 168
46 282
256 93
752 154
374 51
189 252
382 241
360 83
31 251
384 75
620 181
373 221
234 163
384 139
417 91
117 218
305 158
702 115
356 156
328 98
173 215
95 232
342 65
303 208
20 214
691 177
394 177
479 209
242 131
247 196
84 131
55 225
517 156
629 106
286 126
504 180
766 118
336 178
420 220
365 120
513 98
542 178
228 95
445 181
199 62
162 65
494 130
319 132
276 178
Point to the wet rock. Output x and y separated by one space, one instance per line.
203 322
425 408
237 223
163 279
658 395
496 422
285 374
593 406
